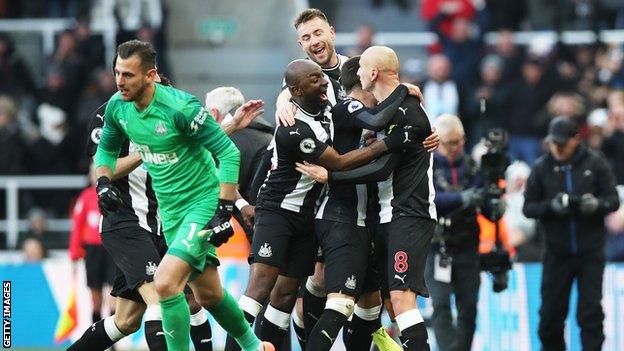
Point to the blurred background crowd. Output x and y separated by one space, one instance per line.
482 67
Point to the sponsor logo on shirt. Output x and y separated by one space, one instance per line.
199 119
156 158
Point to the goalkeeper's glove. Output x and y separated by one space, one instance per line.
220 224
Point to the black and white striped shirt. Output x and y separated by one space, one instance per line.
409 190
140 206
286 188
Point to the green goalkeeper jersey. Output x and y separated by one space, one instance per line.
178 141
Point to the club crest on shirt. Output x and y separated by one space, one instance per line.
96 135
307 145
160 128
354 106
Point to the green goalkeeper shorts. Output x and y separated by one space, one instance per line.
187 239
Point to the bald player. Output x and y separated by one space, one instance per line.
403 205
283 241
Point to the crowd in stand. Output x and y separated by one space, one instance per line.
521 88
44 117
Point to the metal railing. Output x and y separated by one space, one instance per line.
12 184
49 27
523 37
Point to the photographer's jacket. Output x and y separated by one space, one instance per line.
449 179
588 172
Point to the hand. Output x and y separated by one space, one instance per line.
247 112
220 224
248 212
560 204
589 204
369 138
413 90
400 137
109 199
285 115
471 197
432 142
317 173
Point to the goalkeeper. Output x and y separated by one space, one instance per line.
177 140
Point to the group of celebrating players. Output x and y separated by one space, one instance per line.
343 219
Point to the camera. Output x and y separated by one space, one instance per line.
493 165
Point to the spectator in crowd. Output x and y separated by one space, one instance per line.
15 77
88 46
486 104
528 98
564 103
365 39
85 242
513 56
98 91
542 15
521 230
615 227
453 261
441 93
71 66
38 229
57 92
463 48
403 4
33 250
598 128
506 14
613 146
54 152
449 10
12 145
570 191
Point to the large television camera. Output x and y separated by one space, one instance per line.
493 165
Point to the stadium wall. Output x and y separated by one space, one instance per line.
506 321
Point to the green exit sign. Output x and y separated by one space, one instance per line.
217 29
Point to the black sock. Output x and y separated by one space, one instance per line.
272 325
230 342
202 336
155 336
326 329
95 316
301 336
358 333
312 309
415 338
94 338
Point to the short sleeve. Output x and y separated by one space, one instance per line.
94 131
301 140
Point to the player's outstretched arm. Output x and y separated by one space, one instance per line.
375 171
246 113
125 165
397 140
378 118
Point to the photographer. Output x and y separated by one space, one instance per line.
453 261
569 191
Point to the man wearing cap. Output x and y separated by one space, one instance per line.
569 192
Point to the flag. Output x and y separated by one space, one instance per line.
68 320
